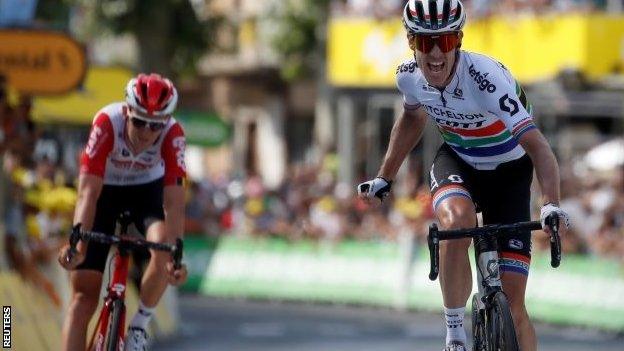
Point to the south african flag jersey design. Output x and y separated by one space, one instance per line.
481 114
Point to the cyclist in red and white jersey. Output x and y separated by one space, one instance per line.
133 162
491 146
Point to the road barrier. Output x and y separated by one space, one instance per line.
35 323
583 291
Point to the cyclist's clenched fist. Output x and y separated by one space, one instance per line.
178 276
549 208
378 187
70 261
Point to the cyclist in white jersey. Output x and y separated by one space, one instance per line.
485 164
133 161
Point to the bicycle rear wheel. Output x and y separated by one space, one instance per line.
501 331
478 326
113 330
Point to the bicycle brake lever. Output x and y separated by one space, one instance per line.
177 254
552 221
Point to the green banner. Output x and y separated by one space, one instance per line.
203 129
583 291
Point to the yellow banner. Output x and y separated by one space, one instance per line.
40 62
365 52
102 86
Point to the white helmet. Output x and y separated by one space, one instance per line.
433 16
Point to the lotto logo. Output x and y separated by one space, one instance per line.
96 132
179 144
6 327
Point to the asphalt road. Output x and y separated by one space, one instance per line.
210 324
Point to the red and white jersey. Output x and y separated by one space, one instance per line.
108 155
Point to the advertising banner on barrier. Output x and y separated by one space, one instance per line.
582 291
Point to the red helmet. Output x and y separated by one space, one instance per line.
152 95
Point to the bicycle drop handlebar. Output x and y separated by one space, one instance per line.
128 242
435 235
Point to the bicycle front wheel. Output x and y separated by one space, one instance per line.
501 331
478 326
113 329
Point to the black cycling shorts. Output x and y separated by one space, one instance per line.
502 195
144 202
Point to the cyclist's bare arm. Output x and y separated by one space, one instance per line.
174 206
174 210
545 163
406 133
89 189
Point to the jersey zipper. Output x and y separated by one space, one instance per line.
442 97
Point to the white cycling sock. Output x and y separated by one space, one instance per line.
455 325
142 317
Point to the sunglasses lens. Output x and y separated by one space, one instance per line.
424 43
446 42
138 123
154 126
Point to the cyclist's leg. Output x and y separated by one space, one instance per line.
150 221
86 280
86 286
509 202
454 208
154 280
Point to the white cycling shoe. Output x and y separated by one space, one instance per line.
136 340
455 346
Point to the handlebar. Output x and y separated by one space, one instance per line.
435 236
129 242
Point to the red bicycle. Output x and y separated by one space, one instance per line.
111 331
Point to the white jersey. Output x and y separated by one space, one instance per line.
481 113
108 155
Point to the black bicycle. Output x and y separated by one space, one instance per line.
492 324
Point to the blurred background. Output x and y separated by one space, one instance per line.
287 105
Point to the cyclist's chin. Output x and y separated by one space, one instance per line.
436 78
142 142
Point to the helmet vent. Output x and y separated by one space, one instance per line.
163 95
143 91
433 14
446 10
420 13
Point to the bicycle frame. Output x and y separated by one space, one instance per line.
490 293
116 290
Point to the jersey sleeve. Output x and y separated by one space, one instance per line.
405 82
172 151
99 146
507 100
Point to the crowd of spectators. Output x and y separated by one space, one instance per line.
309 204
596 204
477 8
36 203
